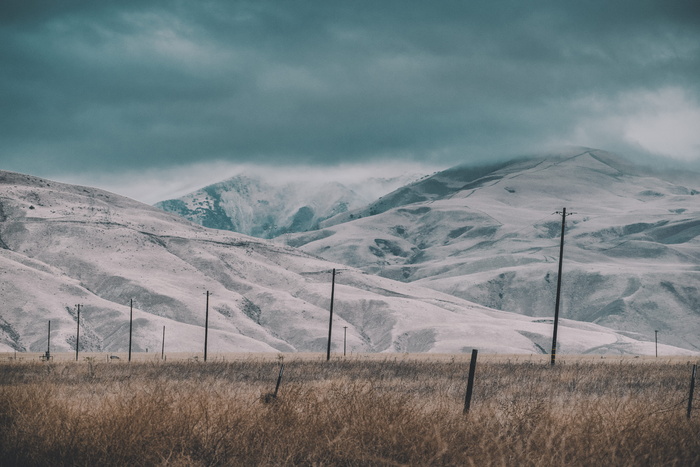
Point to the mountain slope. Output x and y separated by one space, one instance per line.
64 245
632 257
250 205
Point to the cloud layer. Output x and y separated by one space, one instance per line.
131 85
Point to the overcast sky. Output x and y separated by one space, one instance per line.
145 97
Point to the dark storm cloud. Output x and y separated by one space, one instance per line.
93 85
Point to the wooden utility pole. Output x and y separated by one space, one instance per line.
48 344
345 340
206 327
556 306
131 323
77 335
162 349
330 323
656 343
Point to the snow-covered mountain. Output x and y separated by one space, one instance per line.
491 235
254 206
62 245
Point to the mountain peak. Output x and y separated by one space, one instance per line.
250 204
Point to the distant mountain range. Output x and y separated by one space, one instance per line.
491 234
63 245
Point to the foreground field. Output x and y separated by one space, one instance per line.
358 411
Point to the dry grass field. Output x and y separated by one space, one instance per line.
361 410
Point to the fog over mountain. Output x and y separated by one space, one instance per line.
63 245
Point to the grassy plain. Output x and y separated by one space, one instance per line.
361 410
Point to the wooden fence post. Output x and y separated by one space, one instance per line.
271 396
279 380
470 382
692 389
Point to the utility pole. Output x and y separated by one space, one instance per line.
556 306
656 342
345 339
206 327
131 323
48 344
330 323
77 335
162 349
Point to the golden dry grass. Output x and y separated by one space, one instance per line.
389 410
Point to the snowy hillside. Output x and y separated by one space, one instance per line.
261 208
491 235
62 245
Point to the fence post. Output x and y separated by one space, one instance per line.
279 380
692 389
272 396
470 382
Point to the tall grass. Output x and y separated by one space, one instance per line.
346 412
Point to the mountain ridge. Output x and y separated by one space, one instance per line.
68 245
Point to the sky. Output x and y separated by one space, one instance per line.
152 99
